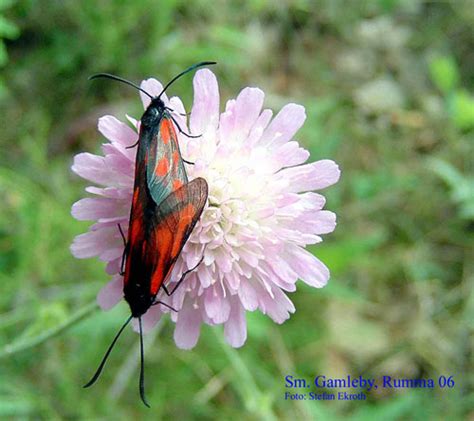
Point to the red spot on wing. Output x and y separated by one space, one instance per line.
165 238
177 184
136 192
167 130
137 211
175 157
136 230
163 167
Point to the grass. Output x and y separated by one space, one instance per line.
399 301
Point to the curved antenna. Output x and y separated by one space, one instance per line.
189 69
119 79
101 366
142 368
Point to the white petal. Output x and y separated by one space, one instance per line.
111 293
226 127
248 295
216 306
188 326
117 131
247 109
205 111
113 267
179 114
96 208
235 329
204 275
283 127
290 154
277 307
92 168
154 88
149 319
314 176
308 267
258 128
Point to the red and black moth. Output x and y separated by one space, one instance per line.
165 209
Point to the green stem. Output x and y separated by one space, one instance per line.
23 345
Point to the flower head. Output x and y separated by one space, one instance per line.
261 211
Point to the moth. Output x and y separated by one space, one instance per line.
165 209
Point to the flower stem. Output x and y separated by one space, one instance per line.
23 345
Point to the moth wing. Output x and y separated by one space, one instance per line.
175 219
137 263
165 170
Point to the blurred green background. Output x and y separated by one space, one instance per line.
388 89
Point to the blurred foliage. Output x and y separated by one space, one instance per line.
8 30
388 89
445 76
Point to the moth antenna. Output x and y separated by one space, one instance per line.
102 364
142 368
189 69
119 79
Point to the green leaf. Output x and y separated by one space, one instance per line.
5 4
3 54
461 106
461 186
444 73
8 29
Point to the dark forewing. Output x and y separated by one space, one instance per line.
165 170
175 219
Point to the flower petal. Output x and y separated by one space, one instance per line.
308 267
217 307
92 168
290 154
149 320
188 325
179 114
314 176
258 128
283 127
94 243
116 131
205 111
154 88
89 209
235 329
248 296
277 307
240 115
110 295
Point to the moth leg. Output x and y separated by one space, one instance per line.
166 290
181 279
186 134
181 130
125 250
122 263
181 114
132 146
123 236
165 304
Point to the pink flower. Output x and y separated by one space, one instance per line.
260 215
